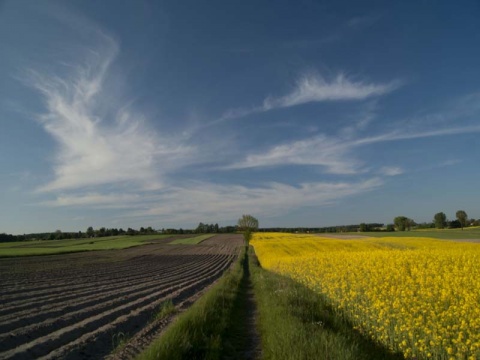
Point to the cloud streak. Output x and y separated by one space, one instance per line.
226 202
112 200
319 150
334 153
314 88
96 148
391 170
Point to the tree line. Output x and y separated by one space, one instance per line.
400 223
440 221
89 233
103 232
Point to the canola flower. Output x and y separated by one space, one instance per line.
419 296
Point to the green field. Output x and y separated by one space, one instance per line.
467 233
49 247
192 240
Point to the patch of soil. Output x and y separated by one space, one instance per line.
75 306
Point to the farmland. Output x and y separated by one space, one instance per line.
291 296
416 296
50 247
455 234
83 304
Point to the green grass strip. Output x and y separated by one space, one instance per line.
446 234
193 240
51 247
295 323
200 332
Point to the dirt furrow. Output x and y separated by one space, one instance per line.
127 324
85 293
142 339
79 331
80 278
42 324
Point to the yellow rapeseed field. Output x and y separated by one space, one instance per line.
420 296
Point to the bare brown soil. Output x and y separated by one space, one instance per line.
82 305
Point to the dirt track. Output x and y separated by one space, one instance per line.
76 306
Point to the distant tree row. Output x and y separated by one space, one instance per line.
60 235
214 229
400 223
102 232
440 221
328 229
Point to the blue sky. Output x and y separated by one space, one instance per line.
305 113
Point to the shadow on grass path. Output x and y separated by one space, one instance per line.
242 340
296 323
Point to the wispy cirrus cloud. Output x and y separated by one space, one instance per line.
320 150
315 88
412 134
99 147
224 202
98 200
391 170
193 201
336 153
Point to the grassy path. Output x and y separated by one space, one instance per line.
220 325
253 346
296 324
242 339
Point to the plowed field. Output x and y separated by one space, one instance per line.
77 306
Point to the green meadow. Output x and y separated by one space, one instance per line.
467 233
50 247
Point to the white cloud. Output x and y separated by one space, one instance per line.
365 116
314 88
335 154
95 199
95 148
418 134
391 170
319 150
450 162
195 201
213 202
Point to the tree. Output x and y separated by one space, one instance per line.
440 220
454 224
248 224
363 227
101 232
58 235
90 231
390 227
461 217
403 223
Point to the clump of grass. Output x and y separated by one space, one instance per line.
165 309
119 340
296 323
199 332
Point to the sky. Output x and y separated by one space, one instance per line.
302 113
